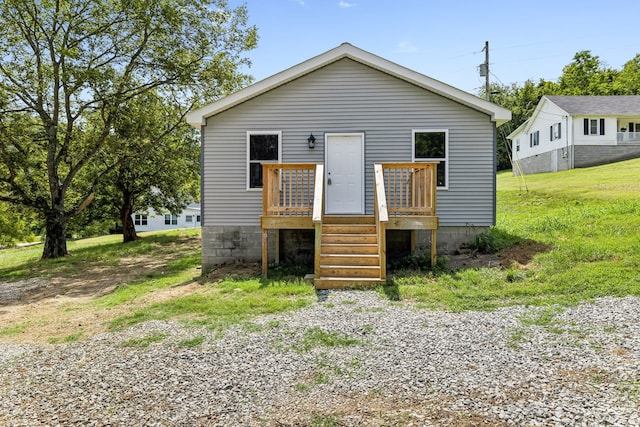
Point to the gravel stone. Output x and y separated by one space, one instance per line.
351 359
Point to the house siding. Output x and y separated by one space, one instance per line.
347 96
155 220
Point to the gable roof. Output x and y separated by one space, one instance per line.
586 105
498 114
598 105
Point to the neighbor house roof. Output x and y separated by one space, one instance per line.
498 114
598 105
615 105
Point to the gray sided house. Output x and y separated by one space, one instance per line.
348 149
566 132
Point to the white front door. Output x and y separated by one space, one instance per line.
344 174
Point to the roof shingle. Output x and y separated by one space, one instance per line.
598 105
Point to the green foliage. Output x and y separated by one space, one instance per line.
71 70
318 337
192 342
416 262
16 225
493 241
143 342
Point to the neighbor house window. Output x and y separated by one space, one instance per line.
534 138
555 131
170 219
140 219
433 146
188 218
517 145
594 126
197 218
262 147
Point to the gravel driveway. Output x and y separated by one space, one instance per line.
351 359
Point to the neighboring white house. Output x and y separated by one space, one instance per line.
566 132
152 221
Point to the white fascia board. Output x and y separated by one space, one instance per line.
518 130
498 114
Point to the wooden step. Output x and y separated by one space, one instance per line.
348 219
359 271
349 254
348 229
366 249
345 282
349 259
350 239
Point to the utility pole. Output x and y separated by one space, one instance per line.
486 64
484 71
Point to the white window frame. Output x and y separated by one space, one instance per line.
188 219
433 159
173 219
140 219
557 131
248 170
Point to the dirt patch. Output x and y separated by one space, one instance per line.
521 253
46 309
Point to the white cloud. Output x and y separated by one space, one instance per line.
406 47
343 4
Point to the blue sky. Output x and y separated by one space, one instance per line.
443 39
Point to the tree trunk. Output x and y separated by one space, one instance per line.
55 243
128 227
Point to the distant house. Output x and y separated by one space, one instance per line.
341 158
153 221
566 132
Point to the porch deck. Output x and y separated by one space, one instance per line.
349 250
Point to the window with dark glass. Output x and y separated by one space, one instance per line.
594 127
263 148
140 219
170 219
432 146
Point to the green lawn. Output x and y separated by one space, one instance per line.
588 218
586 222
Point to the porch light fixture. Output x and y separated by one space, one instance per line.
311 141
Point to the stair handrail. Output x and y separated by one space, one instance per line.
381 217
316 217
318 194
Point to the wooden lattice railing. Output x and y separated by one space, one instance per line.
291 198
410 194
410 188
288 189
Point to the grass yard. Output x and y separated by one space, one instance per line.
589 221
582 228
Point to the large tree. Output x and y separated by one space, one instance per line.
587 75
68 66
157 161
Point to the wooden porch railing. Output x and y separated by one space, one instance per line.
411 198
289 199
287 189
410 188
